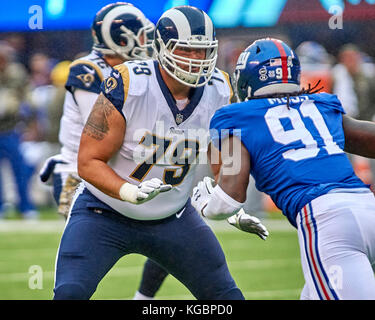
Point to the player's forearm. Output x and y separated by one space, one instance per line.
234 185
234 170
214 160
101 176
359 137
215 168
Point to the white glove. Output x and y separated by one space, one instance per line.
248 223
145 191
201 194
48 167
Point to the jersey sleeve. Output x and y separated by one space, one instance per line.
330 101
223 83
84 75
222 126
229 82
337 104
116 87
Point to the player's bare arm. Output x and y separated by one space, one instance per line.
101 138
359 137
213 155
97 124
227 197
234 184
231 175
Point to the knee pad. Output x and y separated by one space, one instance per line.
71 291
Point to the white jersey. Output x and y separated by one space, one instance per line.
86 73
161 141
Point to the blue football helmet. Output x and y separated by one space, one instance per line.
268 66
191 28
120 28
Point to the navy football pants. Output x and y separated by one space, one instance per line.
94 240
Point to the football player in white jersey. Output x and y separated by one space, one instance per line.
136 157
115 40
120 32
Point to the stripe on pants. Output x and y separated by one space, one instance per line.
310 236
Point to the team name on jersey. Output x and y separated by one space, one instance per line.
276 101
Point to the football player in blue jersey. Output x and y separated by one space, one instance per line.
293 142
134 147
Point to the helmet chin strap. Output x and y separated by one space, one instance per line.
180 76
190 78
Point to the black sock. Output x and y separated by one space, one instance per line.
152 277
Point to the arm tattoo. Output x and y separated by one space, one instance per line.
97 123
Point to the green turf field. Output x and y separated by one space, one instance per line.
262 269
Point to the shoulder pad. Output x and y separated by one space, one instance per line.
84 75
329 100
139 72
116 87
222 80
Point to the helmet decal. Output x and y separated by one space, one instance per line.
268 66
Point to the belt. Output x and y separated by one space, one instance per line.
112 214
349 190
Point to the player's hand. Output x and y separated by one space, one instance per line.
248 223
45 173
201 194
144 192
149 189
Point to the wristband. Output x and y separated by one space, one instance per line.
128 192
221 206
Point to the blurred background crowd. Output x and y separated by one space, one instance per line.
34 66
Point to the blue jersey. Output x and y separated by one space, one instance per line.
296 153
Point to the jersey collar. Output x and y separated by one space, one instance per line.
195 97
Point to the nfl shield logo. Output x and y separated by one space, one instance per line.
179 118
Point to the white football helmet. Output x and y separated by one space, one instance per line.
186 27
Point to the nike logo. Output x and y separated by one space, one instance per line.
89 70
178 215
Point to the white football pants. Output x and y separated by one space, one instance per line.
336 235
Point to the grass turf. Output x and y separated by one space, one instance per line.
262 269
